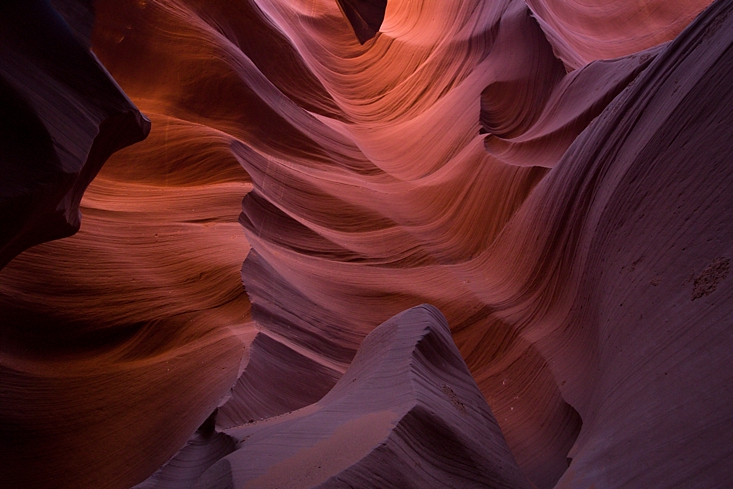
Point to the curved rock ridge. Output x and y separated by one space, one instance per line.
342 243
508 298
584 31
406 413
205 448
533 111
276 380
63 116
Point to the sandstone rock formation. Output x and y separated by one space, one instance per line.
63 116
552 176
405 414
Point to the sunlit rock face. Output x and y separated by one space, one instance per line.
552 176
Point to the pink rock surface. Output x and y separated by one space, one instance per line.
583 31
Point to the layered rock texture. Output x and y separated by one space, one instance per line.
407 413
553 176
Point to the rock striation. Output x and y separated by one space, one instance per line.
406 414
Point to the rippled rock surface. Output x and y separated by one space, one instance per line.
407 413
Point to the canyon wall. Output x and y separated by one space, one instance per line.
552 176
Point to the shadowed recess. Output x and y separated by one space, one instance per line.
365 16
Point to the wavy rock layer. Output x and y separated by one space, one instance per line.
277 380
343 243
582 31
126 335
129 333
642 215
511 298
405 414
548 175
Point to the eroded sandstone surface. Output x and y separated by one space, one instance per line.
553 176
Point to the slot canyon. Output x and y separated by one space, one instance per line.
366 244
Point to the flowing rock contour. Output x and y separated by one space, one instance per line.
579 248
407 414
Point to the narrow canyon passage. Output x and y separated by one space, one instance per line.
266 182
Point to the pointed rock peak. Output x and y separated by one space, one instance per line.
407 414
